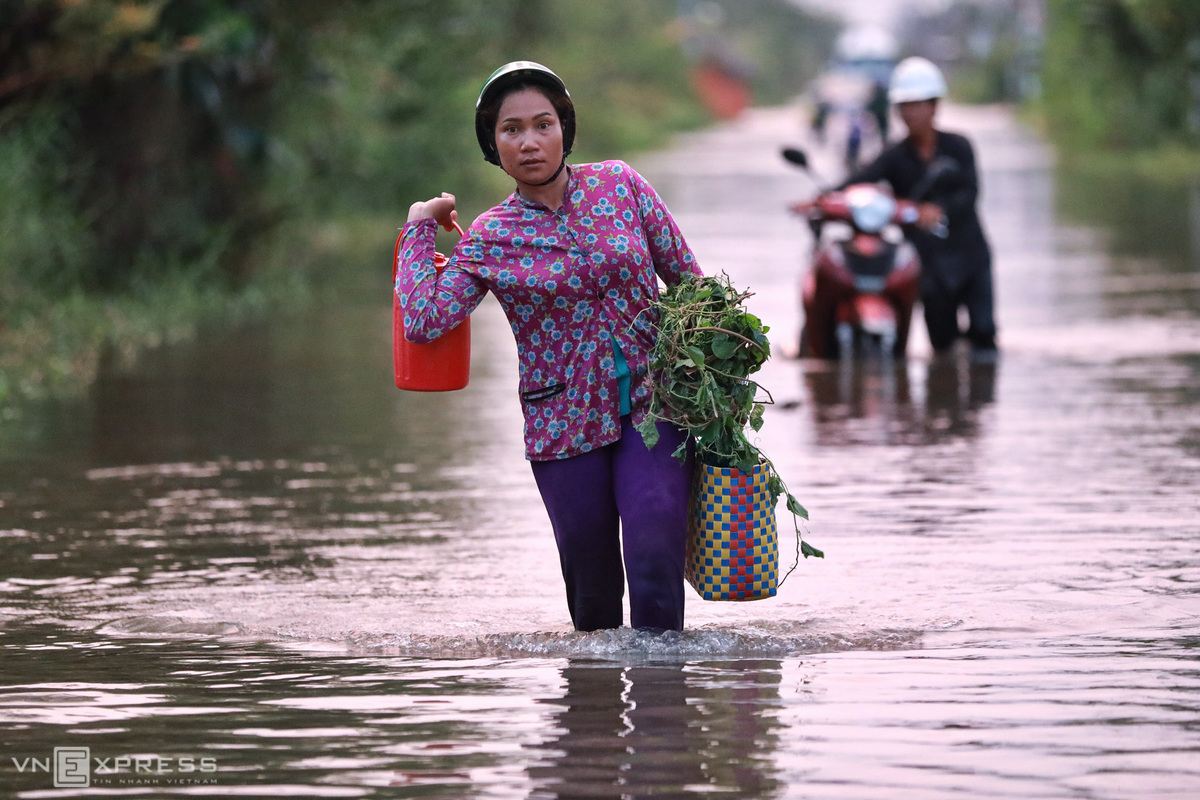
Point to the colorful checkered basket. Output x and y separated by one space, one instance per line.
733 547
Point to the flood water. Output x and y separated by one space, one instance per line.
248 566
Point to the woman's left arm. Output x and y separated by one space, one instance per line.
672 257
434 301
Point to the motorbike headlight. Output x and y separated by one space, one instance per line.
870 208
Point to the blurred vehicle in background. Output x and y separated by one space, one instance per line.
845 98
867 51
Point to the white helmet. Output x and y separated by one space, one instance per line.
915 79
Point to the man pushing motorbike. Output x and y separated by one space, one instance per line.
937 169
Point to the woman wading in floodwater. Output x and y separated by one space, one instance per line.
573 256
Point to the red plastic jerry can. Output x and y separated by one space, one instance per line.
442 365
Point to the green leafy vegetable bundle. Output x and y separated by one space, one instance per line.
708 346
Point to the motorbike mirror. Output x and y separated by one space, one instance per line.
796 156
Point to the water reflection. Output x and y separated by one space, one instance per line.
272 722
1140 216
1151 232
902 403
655 729
272 388
955 392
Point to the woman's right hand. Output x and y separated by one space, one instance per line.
437 208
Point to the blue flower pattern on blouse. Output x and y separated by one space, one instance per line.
564 279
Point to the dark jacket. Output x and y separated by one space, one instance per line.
947 264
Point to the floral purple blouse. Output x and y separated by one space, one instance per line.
565 279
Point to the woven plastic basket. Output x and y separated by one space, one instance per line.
733 546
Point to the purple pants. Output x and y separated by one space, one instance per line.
621 494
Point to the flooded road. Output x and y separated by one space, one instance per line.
253 564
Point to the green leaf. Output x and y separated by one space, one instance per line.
724 345
793 505
710 432
695 354
776 487
807 550
756 416
649 431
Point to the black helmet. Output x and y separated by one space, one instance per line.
513 73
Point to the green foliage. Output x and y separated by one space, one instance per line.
187 126
149 107
196 142
379 106
708 345
1122 74
43 239
623 66
388 116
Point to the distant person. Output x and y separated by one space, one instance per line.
820 119
877 106
574 256
853 140
937 169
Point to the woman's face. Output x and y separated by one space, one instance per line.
918 115
529 137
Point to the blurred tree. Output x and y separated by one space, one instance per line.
184 129
1123 73
152 107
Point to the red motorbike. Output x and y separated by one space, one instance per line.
858 294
